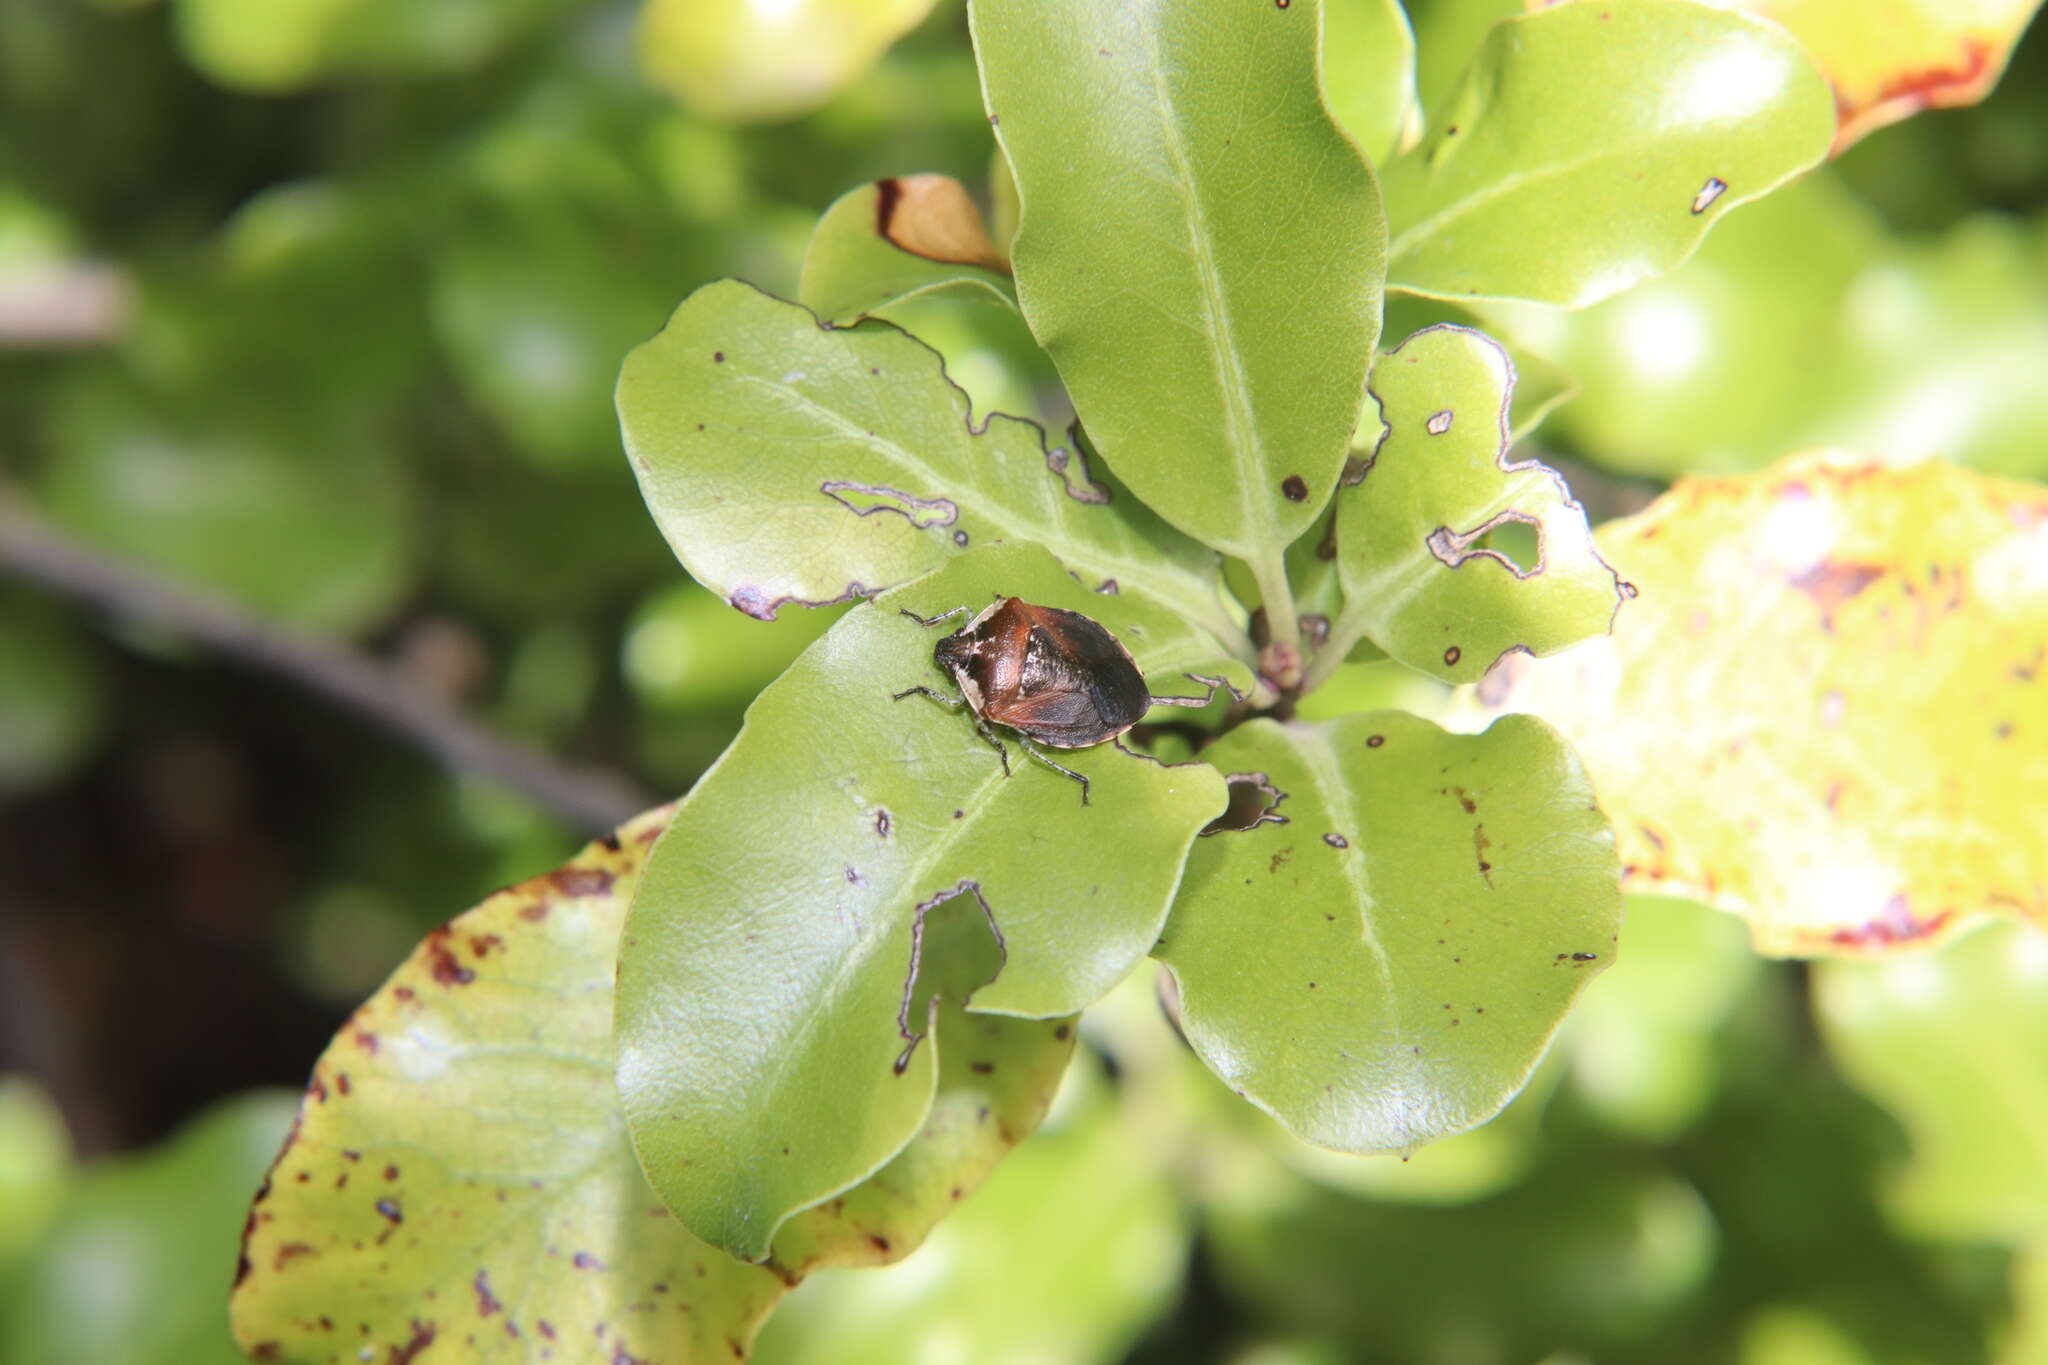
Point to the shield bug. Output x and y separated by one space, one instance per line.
1054 677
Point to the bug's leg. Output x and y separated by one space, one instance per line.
953 703
1211 683
929 621
1002 750
1047 760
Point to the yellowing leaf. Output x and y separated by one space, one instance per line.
459 1175
1828 708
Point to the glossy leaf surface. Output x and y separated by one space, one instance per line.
895 239
460 1170
849 858
1384 964
1955 1044
1416 534
790 462
1200 251
1828 706
1890 59
1591 147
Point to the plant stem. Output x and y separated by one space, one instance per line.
1343 637
594 801
1283 623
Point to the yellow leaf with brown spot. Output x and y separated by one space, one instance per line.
459 1176
1828 707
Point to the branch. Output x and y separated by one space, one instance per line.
592 800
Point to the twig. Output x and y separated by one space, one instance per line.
594 801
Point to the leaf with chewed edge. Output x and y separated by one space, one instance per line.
459 1172
789 461
851 858
897 238
1415 531
1379 957
1828 709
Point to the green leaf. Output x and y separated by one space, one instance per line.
460 1169
1384 963
761 62
986 1286
273 46
792 462
847 858
1591 147
1369 74
133 1268
895 239
1206 277
1780 722
1955 1044
1428 574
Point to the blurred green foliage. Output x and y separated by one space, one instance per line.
381 262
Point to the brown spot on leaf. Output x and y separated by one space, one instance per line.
389 1209
1438 423
583 1260
367 1041
1336 841
486 1302
1374 741
422 1338
480 945
1452 655
441 961
581 881
391 1172
1709 192
879 1242
1833 582
1294 488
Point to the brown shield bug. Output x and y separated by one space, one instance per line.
1053 676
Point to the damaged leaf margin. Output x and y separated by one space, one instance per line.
458 1173
1413 523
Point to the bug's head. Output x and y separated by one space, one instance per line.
952 653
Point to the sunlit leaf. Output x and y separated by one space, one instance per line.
1591 147
133 1268
1889 59
767 59
897 238
1955 1044
986 1288
460 1172
1423 528
1206 278
1828 706
852 857
1380 960
1369 74
792 462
